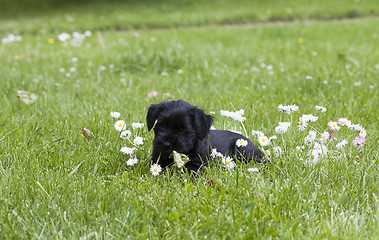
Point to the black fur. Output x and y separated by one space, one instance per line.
185 128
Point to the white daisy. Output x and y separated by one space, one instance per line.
253 170
314 156
138 141
283 127
277 151
257 133
302 124
344 122
320 108
125 134
132 161
215 153
268 154
155 169
310 137
263 140
137 125
334 126
324 136
115 114
119 125
241 143
342 144
127 150
228 162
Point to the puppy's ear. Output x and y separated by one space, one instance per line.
152 115
202 123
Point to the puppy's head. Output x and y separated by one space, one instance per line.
177 126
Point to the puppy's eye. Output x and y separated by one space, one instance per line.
181 129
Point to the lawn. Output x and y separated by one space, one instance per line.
57 184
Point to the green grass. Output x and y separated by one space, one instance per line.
57 185
53 16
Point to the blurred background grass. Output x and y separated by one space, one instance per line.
49 15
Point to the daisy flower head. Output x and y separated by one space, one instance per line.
324 136
137 125
277 151
273 137
241 143
344 122
228 162
314 156
342 144
263 140
359 141
127 150
310 137
234 115
299 149
302 124
125 134
334 126
155 169
132 161
268 154
215 153
309 118
362 132
320 108
253 170
257 133
138 141
115 114
119 125
288 109
283 127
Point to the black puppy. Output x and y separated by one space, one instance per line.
185 128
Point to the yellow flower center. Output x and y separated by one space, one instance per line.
313 156
155 169
263 140
301 123
120 125
227 162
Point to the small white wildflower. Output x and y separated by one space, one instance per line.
257 133
137 125
241 143
138 141
63 37
342 144
308 77
115 114
320 108
253 170
119 125
215 153
324 136
132 161
344 122
228 162
314 156
310 137
277 151
263 140
125 134
155 169
334 126
302 124
127 150
283 127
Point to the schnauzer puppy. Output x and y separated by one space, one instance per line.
184 128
